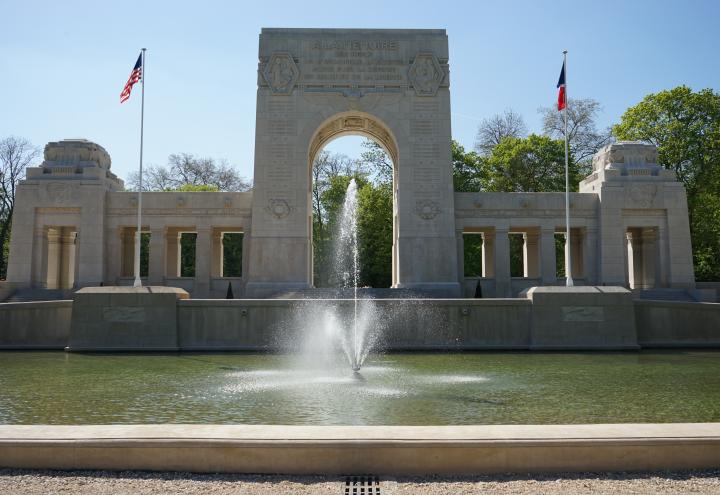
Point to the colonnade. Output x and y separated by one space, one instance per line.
165 254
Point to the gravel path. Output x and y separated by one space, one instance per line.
27 482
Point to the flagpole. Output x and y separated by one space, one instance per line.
568 264
138 234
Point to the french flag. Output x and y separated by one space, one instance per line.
562 99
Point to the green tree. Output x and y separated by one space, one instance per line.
232 254
531 164
685 127
16 154
375 232
197 188
469 170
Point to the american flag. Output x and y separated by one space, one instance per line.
135 76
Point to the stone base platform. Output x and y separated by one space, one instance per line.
584 317
125 319
393 450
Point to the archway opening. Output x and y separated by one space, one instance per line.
337 156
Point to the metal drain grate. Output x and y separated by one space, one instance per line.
361 485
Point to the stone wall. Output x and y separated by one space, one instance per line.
677 324
412 324
419 324
35 325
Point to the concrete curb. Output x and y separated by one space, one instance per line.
363 449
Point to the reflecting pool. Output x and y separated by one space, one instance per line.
392 389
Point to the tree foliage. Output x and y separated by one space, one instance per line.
531 164
584 139
331 175
498 127
469 169
685 126
16 154
184 170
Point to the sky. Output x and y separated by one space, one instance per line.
64 64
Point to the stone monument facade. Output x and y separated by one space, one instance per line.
74 225
315 85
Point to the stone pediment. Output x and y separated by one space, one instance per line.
77 153
626 154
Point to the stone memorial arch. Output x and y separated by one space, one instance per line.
315 85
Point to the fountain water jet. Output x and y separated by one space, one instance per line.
347 263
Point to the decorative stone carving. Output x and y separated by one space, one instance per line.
426 209
642 195
281 73
357 124
78 153
227 202
180 202
425 74
279 208
59 193
626 154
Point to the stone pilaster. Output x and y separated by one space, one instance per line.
548 264
156 269
488 254
203 260
531 265
216 268
502 263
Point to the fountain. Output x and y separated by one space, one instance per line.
348 325
347 264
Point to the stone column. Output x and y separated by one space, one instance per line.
502 263
128 252
66 275
216 269
113 241
548 265
634 253
461 259
203 251
173 254
576 253
39 257
156 270
53 256
649 258
531 268
663 264
488 254
590 261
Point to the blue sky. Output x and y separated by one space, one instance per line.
65 63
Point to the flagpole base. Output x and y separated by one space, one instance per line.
569 282
137 283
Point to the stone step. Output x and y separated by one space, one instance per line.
665 295
28 295
346 293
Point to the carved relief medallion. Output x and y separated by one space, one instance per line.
281 73
279 208
426 209
425 74
59 193
643 196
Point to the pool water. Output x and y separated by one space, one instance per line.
391 389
